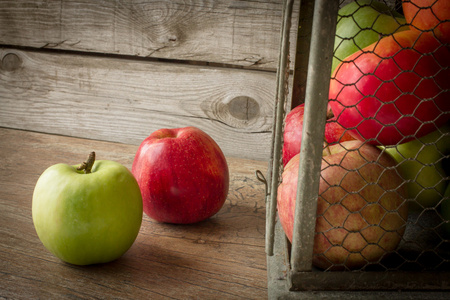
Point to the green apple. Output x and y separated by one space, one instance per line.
362 23
445 210
87 217
420 162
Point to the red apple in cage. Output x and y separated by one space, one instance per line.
183 175
292 136
393 90
361 210
429 15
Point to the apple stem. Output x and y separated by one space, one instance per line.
87 165
327 147
330 114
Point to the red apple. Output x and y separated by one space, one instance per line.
361 210
183 175
394 90
423 15
292 137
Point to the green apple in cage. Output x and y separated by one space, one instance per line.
420 163
361 23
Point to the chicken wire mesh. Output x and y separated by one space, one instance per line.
381 206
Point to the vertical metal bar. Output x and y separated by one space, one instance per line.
302 52
283 71
317 86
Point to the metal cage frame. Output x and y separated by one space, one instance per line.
290 269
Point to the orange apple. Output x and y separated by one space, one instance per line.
424 15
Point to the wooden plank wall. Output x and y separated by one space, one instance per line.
118 70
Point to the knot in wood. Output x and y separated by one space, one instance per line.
11 62
243 108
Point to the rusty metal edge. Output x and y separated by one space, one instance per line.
371 281
279 287
274 169
316 101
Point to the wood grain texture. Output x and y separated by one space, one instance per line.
220 258
243 33
124 100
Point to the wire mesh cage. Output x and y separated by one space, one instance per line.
357 187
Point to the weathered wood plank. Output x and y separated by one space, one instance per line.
124 100
220 258
244 33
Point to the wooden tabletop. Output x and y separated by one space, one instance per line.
220 258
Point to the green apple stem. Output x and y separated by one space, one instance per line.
87 165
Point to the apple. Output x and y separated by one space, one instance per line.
87 217
361 210
394 90
361 23
420 163
426 15
183 175
292 136
445 210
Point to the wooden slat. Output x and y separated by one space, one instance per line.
243 33
124 100
220 258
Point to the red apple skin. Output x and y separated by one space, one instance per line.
292 137
361 211
423 15
387 92
183 175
